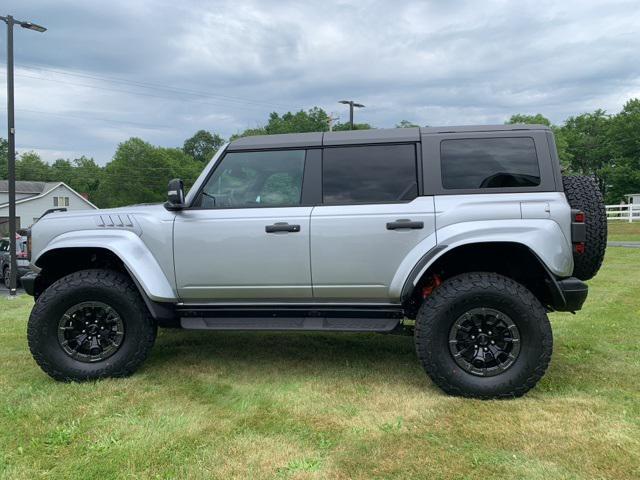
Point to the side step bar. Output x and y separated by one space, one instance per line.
301 319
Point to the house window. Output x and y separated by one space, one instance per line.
60 201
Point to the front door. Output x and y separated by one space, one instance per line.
247 235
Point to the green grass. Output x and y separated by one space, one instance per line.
244 405
624 231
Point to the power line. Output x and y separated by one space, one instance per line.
79 117
130 92
151 85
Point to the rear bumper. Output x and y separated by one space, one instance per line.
571 294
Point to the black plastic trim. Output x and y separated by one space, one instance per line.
28 282
415 271
163 312
574 292
328 311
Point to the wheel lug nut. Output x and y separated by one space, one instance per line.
473 337
485 349
480 330
84 331
489 332
475 346
492 342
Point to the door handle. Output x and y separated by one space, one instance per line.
404 223
281 227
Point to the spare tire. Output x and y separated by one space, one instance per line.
584 194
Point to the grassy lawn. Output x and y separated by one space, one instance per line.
624 231
243 405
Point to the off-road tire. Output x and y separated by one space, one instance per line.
472 290
112 288
584 194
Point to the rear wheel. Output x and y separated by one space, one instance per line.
6 277
483 335
90 324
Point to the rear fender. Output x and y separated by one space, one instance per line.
542 236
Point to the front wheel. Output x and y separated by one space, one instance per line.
90 324
483 335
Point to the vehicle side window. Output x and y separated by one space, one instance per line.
255 179
369 174
4 246
478 163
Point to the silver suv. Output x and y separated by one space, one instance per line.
463 236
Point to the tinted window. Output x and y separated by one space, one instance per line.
255 179
489 163
383 173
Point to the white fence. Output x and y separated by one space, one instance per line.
626 213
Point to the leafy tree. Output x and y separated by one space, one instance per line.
561 141
62 171
4 156
622 173
341 127
587 144
203 145
87 175
313 120
537 119
139 173
31 167
406 124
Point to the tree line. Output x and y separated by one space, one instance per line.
604 145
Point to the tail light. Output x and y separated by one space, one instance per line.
578 231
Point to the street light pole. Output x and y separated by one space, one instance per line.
11 140
351 104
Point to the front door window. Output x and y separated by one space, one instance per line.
255 179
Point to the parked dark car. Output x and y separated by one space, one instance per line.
5 258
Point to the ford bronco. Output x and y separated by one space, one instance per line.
465 237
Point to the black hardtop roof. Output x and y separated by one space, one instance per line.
355 137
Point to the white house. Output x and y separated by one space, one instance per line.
35 198
634 198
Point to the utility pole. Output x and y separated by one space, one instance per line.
351 104
331 121
11 140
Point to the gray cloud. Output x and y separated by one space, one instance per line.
161 70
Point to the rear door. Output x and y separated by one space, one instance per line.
370 218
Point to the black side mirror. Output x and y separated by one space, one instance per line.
175 195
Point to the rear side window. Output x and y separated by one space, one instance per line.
371 174
477 163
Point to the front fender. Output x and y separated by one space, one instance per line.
129 248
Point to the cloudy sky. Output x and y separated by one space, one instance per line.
160 70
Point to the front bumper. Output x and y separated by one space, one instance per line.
571 294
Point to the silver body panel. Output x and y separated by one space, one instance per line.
226 254
354 256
